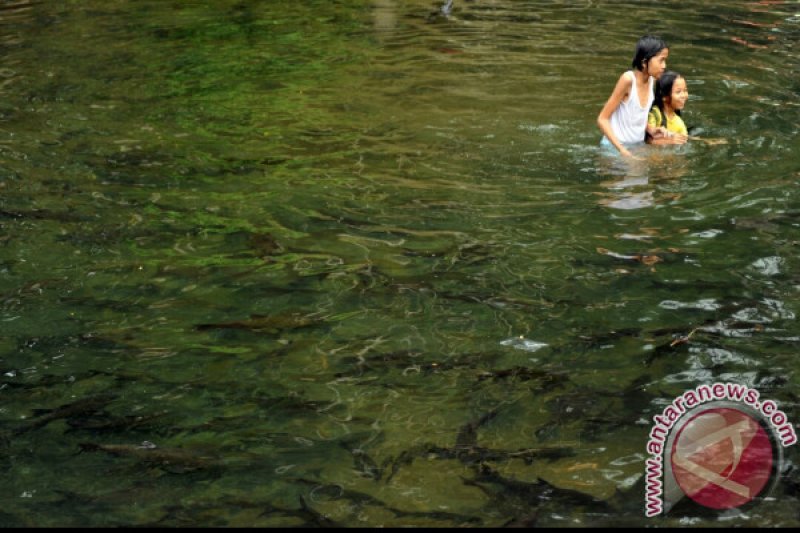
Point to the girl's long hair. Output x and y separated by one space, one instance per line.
647 48
664 90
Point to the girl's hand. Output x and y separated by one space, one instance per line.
625 153
657 133
677 138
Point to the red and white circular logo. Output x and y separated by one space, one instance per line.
722 458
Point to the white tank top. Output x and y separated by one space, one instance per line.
629 120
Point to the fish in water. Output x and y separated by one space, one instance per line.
105 422
357 499
526 521
645 259
42 214
83 407
274 323
467 437
474 455
539 491
314 517
520 373
174 460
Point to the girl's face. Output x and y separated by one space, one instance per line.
658 64
679 94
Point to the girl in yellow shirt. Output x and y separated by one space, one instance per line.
670 99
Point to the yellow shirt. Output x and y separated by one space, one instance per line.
674 124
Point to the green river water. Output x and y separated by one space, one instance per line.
362 263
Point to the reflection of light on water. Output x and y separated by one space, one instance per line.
521 343
708 234
629 201
622 482
706 304
776 310
721 356
699 375
768 266
748 379
628 459
538 127
626 182
626 175
688 214
652 165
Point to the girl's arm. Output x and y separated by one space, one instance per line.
653 131
621 90
671 137
674 138
656 132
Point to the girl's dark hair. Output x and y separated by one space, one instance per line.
664 89
648 47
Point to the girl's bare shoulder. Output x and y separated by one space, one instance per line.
625 81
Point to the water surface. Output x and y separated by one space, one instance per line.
364 263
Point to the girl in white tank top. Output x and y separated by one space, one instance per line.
628 121
623 119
